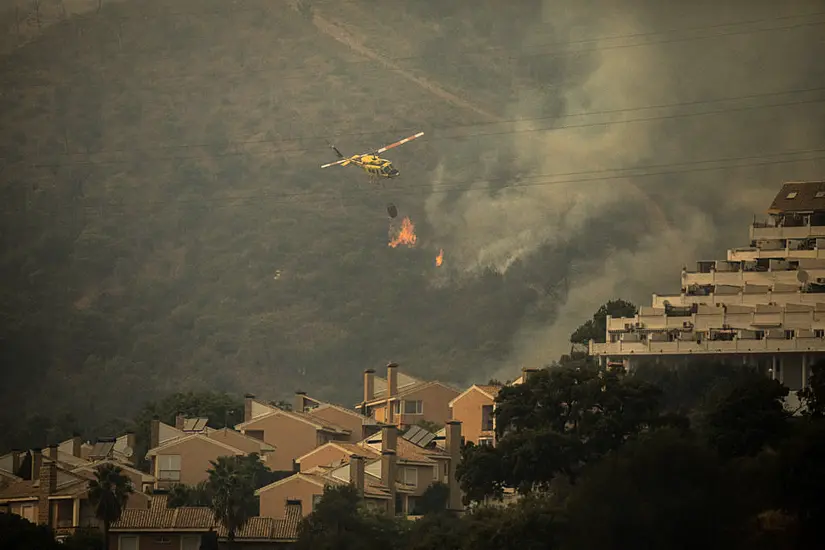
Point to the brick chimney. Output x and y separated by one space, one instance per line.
179 418
77 445
37 462
247 406
356 473
298 402
369 385
48 485
526 373
389 438
388 475
154 432
392 379
51 451
15 461
453 444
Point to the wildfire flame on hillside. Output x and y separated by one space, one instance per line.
406 235
440 258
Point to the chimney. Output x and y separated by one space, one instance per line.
298 402
48 484
389 438
37 462
130 444
247 407
15 461
154 432
51 451
526 373
454 450
356 473
392 380
77 445
388 478
179 418
369 385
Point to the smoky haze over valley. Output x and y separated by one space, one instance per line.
167 227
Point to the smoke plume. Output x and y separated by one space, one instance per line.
658 223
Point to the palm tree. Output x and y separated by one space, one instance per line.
233 494
108 493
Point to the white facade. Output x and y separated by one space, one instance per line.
763 305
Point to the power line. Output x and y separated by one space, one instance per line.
542 180
383 69
436 137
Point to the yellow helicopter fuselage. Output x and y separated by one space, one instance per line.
375 166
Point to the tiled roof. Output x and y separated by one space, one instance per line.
326 424
201 518
320 423
492 390
20 489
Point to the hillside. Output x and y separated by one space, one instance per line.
166 226
178 176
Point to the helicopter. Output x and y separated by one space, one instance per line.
371 163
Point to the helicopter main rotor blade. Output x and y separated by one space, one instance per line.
399 142
342 162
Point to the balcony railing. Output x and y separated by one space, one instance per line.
682 347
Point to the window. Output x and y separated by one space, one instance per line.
255 434
410 477
190 542
413 407
486 418
27 512
163 541
820 194
436 469
485 441
315 500
169 467
791 195
127 542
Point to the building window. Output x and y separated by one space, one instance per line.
820 194
487 418
315 500
255 434
485 441
190 542
127 542
27 512
409 477
413 407
791 195
169 467
162 540
436 469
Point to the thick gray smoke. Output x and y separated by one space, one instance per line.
658 224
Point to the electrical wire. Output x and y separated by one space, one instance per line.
434 138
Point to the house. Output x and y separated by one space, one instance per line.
474 408
292 433
371 465
55 496
360 426
158 526
186 460
403 401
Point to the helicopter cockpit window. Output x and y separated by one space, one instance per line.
387 169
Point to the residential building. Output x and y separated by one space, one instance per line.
56 496
158 526
292 433
184 459
371 465
474 408
764 305
360 426
404 401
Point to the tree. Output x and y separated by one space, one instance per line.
339 521
434 499
813 394
84 539
661 491
596 328
108 493
479 473
21 534
533 523
749 416
233 494
190 495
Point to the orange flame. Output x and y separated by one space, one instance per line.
440 258
406 235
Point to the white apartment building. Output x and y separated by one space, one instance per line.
763 305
